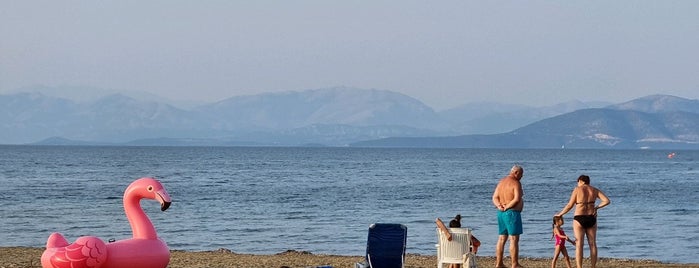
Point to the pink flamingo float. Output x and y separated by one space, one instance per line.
144 250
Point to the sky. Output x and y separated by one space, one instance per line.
444 53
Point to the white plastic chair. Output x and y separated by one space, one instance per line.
458 250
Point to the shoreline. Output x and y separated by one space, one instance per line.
28 257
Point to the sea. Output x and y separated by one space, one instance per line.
267 200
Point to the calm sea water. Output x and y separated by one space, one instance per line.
322 200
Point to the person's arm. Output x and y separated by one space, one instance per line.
475 243
516 198
570 204
604 200
557 233
496 198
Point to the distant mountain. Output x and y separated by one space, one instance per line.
83 94
332 106
615 129
73 93
342 116
675 126
334 116
658 104
29 117
58 141
493 118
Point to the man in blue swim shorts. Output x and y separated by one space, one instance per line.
509 222
507 198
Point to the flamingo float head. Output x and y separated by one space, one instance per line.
148 188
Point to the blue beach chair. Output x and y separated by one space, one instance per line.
385 247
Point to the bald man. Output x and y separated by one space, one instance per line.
507 198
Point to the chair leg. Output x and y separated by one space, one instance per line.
468 262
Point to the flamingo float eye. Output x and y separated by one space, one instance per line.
150 188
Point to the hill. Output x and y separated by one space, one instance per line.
493 118
665 122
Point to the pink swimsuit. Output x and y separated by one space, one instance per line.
560 241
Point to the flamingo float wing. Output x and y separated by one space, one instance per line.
86 252
56 240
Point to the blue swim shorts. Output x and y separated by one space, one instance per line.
509 222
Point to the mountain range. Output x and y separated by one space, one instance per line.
343 116
653 122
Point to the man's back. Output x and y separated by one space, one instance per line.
508 189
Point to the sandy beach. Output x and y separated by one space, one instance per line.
24 257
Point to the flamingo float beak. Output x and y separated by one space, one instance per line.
164 199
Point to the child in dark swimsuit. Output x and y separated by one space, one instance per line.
561 238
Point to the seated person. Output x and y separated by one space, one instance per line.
456 223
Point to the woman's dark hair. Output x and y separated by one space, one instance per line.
584 178
456 222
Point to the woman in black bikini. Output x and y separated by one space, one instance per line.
584 198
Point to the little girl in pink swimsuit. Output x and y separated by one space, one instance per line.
560 241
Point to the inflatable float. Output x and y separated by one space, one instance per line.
143 250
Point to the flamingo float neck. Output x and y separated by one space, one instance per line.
141 226
149 188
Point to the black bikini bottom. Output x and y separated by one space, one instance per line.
586 221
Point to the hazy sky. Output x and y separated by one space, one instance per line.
441 52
